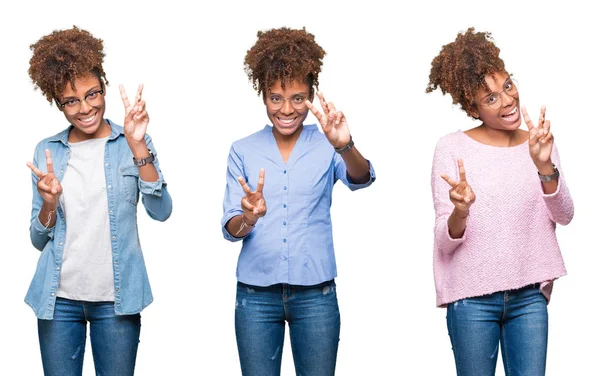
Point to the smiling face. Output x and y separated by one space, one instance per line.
84 106
502 94
286 108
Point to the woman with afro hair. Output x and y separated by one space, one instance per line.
86 183
498 193
286 267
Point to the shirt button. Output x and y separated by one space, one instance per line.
285 240
285 171
116 262
52 294
283 258
107 164
114 237
284 223
111 212
117 289
57 268
284 205
61 171
285 188
110 186
61 243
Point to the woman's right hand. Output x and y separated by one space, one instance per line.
461 194
48 185
253 204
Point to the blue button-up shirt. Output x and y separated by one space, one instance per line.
293 242
123 186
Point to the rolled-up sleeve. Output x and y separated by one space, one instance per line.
155 197
233 192
39 234
342 174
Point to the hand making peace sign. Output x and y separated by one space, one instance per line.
48 186
333 122
253 204
461 194
136 116
540 137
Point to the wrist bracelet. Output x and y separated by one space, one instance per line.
243 225
549 178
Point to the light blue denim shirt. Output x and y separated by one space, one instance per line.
123 186
293 242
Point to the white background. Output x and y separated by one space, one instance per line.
376 70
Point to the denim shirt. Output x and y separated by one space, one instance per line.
293 242
123 187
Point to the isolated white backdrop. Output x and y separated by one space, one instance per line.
376 70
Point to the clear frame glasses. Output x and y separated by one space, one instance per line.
494 100
297 101
73 105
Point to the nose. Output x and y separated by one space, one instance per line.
84 107
287 108
507 99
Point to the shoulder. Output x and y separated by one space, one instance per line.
451 141
255 140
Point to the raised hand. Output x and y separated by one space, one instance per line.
136 116
253 204
540 138
48 185
333 122
461 194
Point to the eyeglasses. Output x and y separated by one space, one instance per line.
495 100
73 105
297 101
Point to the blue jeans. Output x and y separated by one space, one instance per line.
515 319
114 339
314 320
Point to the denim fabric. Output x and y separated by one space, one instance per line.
123 187
293 242
114 339
515 321
314 321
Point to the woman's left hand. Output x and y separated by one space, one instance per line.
136 116
540 138
333 122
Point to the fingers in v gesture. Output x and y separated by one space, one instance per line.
540 137
136 116
333 122
48 185
254 204
461 193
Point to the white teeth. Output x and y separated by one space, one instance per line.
514 111
88 119
287 121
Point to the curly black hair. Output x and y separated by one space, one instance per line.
63 56
283 55
462 65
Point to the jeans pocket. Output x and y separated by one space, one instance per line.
130 176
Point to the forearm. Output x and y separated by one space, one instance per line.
239 226
47 215
457 223
357 166
148 171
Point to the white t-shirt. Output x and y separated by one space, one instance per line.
87 272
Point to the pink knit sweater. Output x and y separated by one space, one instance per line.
510 238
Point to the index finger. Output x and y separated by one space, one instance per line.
138 96
49 164
461 170
244 185
124 97
323 102
314 110
261 180
527 119
35 170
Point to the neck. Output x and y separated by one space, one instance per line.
286 140
75 135
500 137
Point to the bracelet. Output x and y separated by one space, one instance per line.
243 226
49 218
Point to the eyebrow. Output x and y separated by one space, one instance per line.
487 95
298 93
